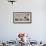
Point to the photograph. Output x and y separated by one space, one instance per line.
22 17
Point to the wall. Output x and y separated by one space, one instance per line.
9 30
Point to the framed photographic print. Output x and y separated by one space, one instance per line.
22 17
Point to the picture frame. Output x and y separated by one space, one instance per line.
22 17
